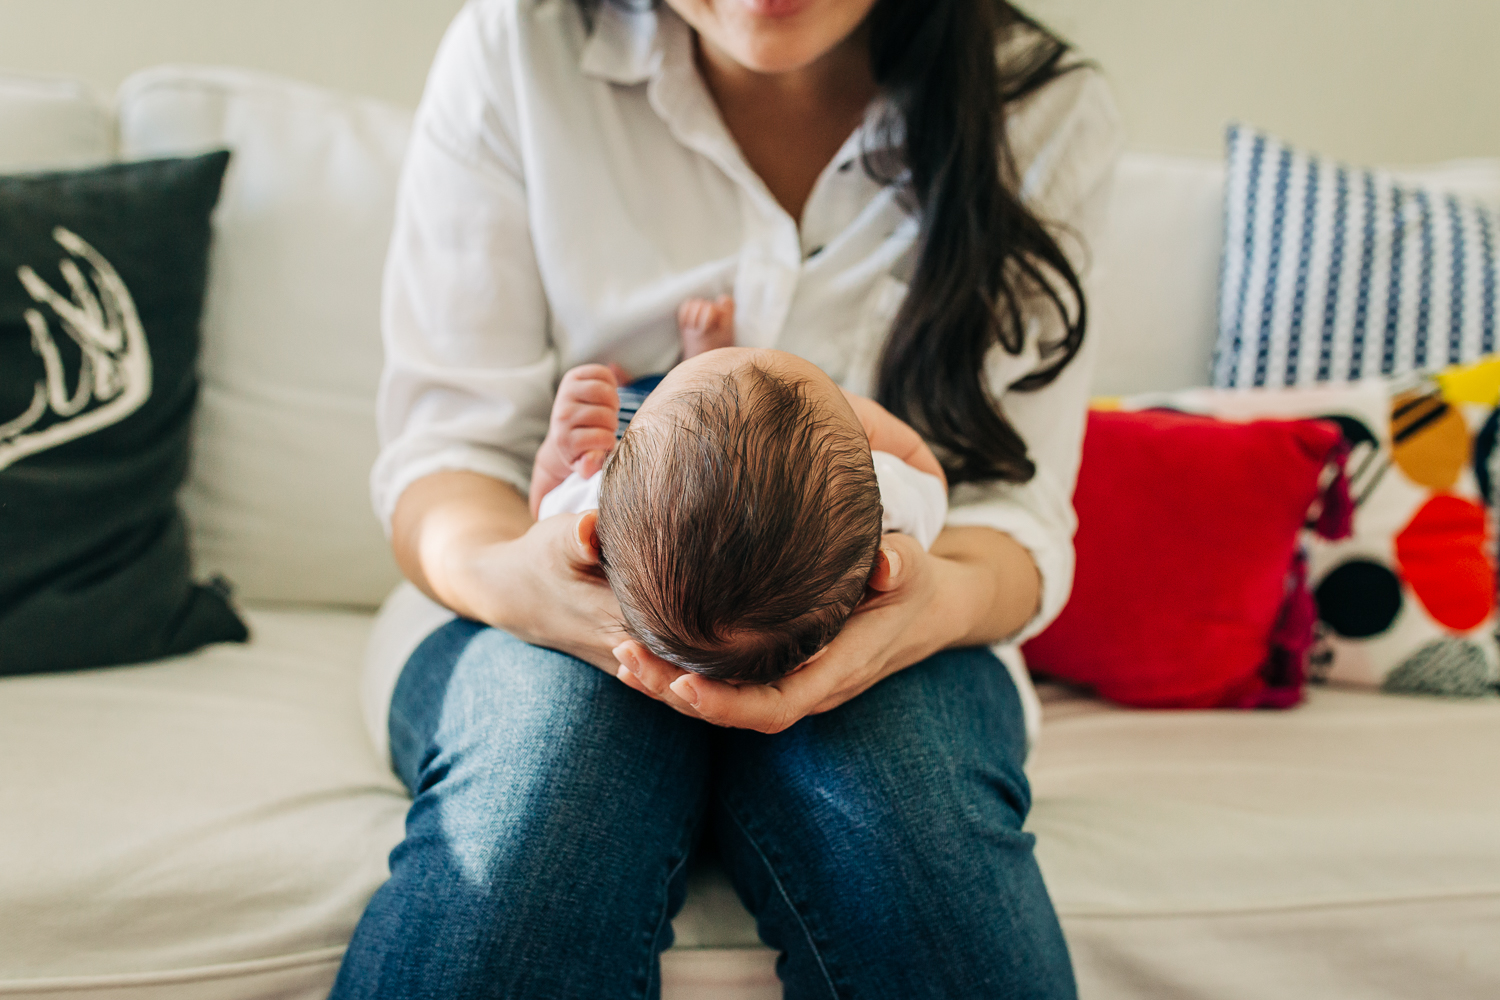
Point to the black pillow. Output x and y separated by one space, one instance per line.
102 275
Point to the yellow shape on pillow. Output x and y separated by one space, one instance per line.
1477 383
1429 438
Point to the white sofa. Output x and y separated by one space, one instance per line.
209 828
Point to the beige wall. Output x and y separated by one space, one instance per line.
1387 81
375 47
1368 80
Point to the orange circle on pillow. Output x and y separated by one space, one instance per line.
1429 438
1443 555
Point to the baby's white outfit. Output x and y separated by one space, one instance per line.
915 502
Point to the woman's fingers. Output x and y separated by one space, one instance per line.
754 706
886 576
765 708
650 675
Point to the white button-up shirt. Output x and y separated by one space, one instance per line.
566 189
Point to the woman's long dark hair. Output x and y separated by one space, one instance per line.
984 260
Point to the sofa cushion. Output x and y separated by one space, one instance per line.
209 828
225 819
278 496
1153 285
51 124
1333 273
1345 849
101 284
214 810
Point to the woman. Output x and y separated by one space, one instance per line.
881 198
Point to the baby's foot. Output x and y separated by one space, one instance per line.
581 432
705 325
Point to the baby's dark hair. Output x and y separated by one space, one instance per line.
738 526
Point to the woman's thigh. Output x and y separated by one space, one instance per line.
553 812
880 844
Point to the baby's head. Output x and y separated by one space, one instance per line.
739 518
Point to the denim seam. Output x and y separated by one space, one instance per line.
662 921
781 890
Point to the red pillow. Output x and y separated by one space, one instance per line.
1187 593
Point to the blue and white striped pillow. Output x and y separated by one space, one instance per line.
1332 274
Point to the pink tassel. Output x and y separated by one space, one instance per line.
1285 671
1336 520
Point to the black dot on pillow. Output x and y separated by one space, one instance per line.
1359 599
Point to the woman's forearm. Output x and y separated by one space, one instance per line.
439 525
989 586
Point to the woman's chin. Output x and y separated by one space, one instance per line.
772 52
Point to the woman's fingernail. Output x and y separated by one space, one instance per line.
892 562
625 656
683 688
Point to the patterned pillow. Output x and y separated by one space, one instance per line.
1333 274
1407 603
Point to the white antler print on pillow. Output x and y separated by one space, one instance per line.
100 317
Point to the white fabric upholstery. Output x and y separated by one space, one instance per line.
1154 293
278 499
210 811
1346 848
221 819
210 828
52 124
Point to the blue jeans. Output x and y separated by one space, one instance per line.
879 845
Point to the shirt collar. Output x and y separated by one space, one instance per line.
626 46
634 46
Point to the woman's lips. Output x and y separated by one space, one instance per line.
774 8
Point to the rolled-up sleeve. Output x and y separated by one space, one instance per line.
469 364
1066 179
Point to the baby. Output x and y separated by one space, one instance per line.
740 514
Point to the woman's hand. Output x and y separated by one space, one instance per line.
546 588
976 587
469 542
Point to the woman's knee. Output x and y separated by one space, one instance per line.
942 742
554 807
519 733
898 818
471 692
